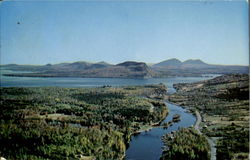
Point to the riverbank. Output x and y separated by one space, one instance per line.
224 106
151 140
196 126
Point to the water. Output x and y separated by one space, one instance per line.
147 145
89 82
144 146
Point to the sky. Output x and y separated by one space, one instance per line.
41 32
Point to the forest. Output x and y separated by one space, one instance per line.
185 144
73 123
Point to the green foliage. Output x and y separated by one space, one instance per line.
184 144
223 101
37 139
66 123
234 140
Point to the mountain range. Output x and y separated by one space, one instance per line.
128 69
175 63
195 67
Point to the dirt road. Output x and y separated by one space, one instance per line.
210 141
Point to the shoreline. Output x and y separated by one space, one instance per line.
196 126
151 126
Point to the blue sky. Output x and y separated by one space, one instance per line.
149 31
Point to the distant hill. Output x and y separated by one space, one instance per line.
178 64
194 63
194 67
135 66
86 65
127 69
170 63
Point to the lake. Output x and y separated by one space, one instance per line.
91 82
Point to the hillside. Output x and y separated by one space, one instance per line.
127 69
194 67
169 63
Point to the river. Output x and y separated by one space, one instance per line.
147 145
144 146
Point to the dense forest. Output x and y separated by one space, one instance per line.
73 123
185 144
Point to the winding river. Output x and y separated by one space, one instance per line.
147 145
144 146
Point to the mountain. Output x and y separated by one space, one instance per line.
78 65
103 63
127 69
177 63
194 63
86 65
170 63
194 67
134 66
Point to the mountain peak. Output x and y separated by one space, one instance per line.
170 62
194 61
